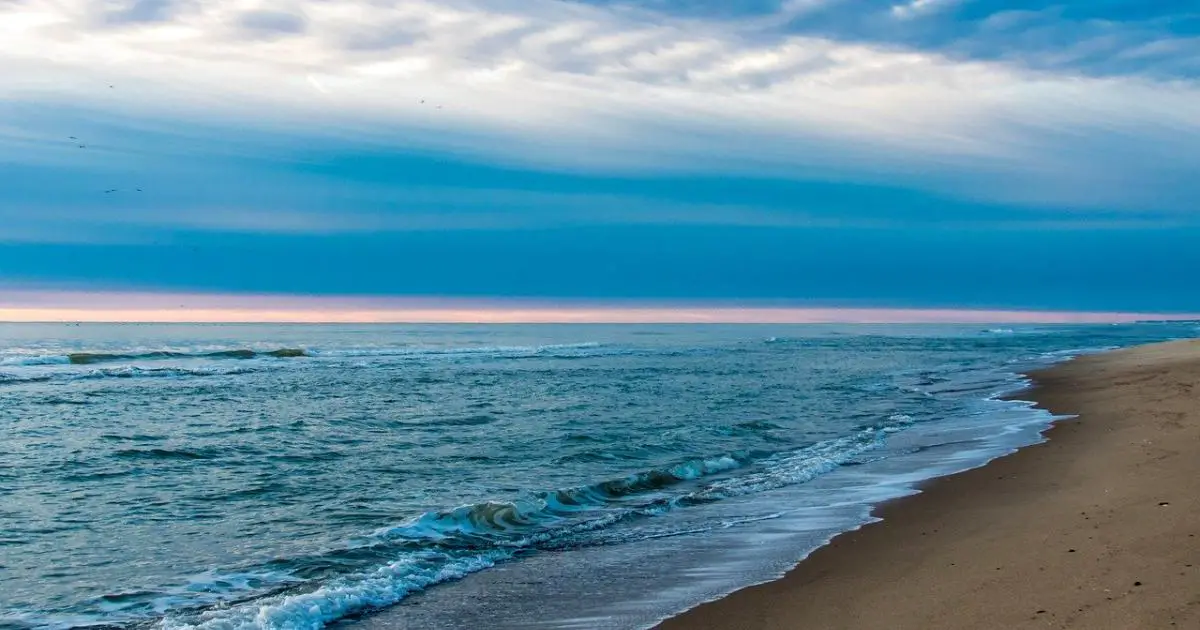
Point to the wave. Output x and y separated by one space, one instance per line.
467 421
386 566
567 350
163 454
35 360
559 349
89 358
139 372
92 358
513 523
13 379
341 597
383 568
123 372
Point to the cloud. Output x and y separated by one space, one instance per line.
917 8
125 12
382 201
610 88
1071 36
269 24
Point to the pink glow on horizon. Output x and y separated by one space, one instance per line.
60 306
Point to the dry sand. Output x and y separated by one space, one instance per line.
1097 528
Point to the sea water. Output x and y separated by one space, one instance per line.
272 476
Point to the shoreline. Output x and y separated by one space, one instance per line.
1095 527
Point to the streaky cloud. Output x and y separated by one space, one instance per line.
554 85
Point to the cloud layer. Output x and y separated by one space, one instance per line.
904 152
573 86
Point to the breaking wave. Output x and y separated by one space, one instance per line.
89 358
384 567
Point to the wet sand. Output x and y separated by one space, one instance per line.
1097 528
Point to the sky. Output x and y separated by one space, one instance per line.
540 155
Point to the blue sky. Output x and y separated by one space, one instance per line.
931 153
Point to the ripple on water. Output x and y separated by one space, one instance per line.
165 454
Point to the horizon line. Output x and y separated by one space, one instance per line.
781 315
402 322
45 305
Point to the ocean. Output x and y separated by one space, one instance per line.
540 476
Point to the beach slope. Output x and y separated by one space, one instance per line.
1097 528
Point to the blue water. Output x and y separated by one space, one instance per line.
220 476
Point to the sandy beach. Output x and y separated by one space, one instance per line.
1099 527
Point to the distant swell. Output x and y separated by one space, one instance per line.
558 351
89 358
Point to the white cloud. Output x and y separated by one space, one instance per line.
573 86
917 8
